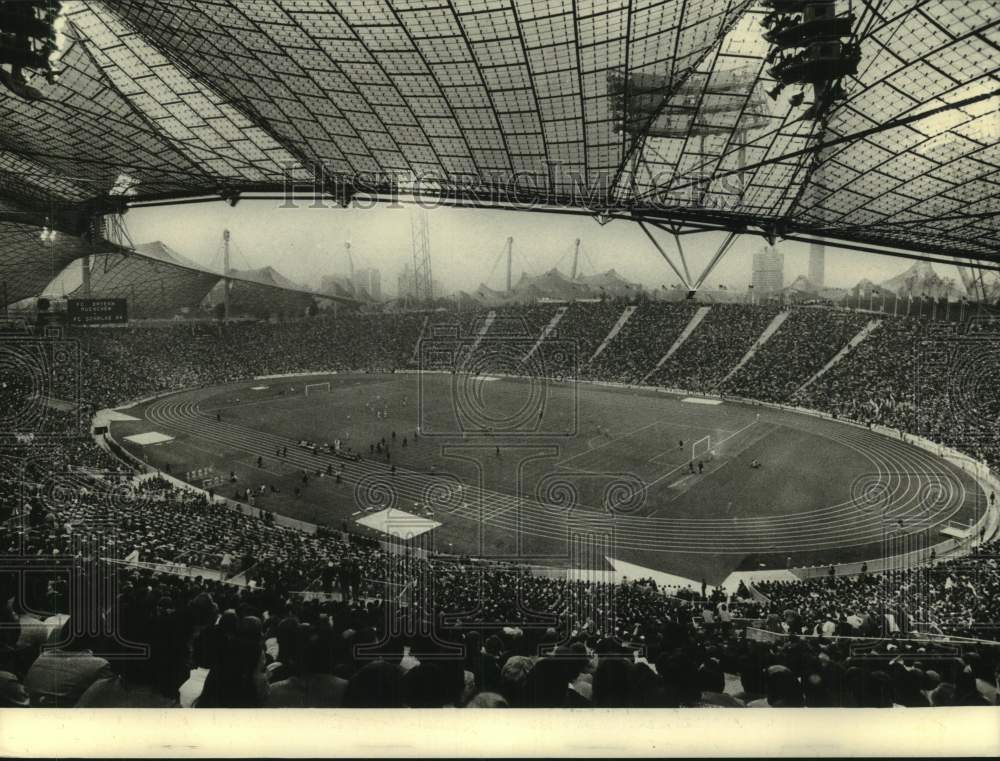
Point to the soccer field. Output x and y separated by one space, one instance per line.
565 474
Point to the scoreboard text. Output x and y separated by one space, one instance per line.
97 311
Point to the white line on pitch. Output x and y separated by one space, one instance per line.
720 441
581 470
618 438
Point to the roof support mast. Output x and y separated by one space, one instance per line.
576 259
691 285
85 274
666 257
721 252
423 281
225 273
680 252
510 257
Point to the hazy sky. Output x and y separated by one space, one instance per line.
304 244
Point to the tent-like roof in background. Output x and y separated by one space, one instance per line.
610 283
262 292
28 263
160 251
512 102
921 277
802 284
552 284
268 276
157 281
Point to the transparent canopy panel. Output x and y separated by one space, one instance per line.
621 106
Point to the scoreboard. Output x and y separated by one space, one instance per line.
97 311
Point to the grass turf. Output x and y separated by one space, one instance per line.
563 444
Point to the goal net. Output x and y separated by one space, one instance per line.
315 388
702 449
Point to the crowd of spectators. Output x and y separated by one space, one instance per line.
715 347
212 645
805 342
958 596
874 381
521 322
281 617
576 337
935 382
642 341
134 362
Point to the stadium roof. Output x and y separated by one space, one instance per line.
157 280
260 292
512 101
28 264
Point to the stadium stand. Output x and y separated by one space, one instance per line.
241 611
641 342
581 330
717 344
802 345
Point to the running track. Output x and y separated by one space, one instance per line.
914 487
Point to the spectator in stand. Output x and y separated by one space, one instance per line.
63 672
236 675
312 684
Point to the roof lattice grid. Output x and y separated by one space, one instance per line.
515 100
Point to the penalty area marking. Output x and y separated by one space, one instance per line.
700 400
684 464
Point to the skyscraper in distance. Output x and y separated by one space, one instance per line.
768 271
817 264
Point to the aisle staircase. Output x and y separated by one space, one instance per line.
695 321
770 330
629 311
483 330
416 347
861 336
547 330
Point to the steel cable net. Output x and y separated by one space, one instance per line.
158 282
657 106
28 263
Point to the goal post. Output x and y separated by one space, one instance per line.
702 449
314 388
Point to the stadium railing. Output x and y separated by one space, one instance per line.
176 569
913 638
